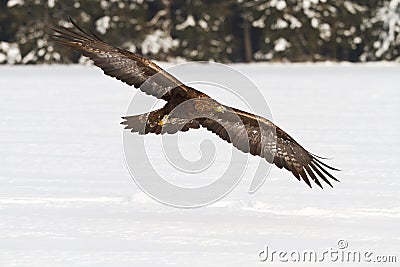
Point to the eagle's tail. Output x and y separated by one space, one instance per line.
158 122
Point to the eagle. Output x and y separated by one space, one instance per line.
247 132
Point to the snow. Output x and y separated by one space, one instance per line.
390 16
278 4
66 197
203 24
280 24
102 24
281 44
51 3
314 22
325 31
158 41
294 22
189 22
9 53
12 3
259 23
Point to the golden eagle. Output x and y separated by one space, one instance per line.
247 132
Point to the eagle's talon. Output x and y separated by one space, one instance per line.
163 121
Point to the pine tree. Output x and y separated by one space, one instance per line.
203 28
32 33
384 32
307 30
225 31
36 18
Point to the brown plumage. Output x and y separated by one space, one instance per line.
247 132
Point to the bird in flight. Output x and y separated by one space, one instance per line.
187 108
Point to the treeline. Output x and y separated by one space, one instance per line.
224 31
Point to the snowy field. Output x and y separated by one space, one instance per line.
67 199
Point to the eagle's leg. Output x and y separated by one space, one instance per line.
158 122
144 123
164 120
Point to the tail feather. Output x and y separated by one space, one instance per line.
157 122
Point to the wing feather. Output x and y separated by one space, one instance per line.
312 175
320 174
261 137
123 65
305 178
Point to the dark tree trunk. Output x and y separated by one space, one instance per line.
248 48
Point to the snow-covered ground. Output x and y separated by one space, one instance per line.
66 196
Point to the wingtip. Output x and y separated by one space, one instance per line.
70 19
316 156
326 165
317 163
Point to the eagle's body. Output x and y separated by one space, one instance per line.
186 108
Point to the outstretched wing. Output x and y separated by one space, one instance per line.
124 65
259 136
247 132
